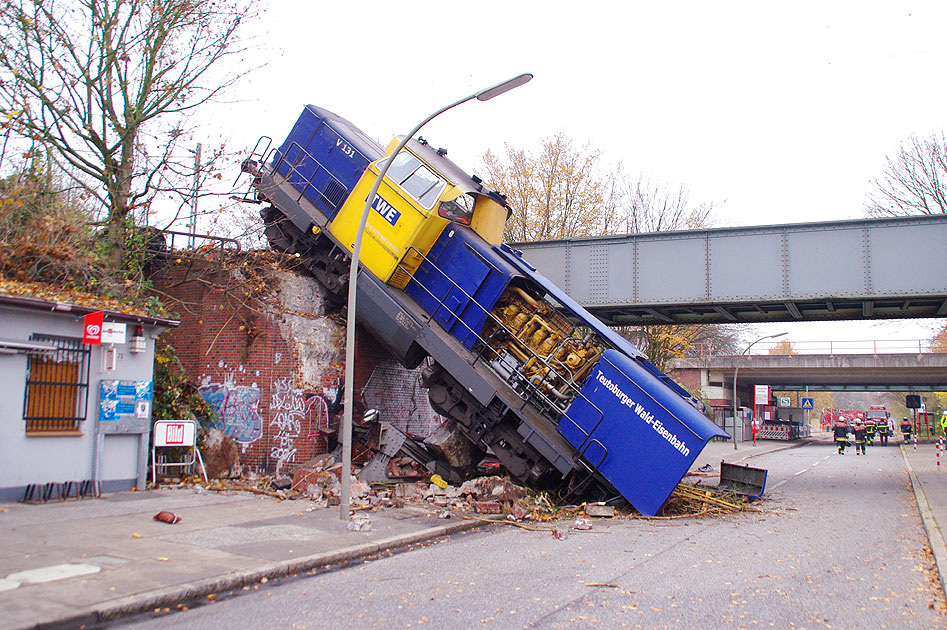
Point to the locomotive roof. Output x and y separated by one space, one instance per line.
369 148
457 176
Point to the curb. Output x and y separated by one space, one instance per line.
173 595
934 537
780 447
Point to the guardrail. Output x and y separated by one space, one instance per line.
827 347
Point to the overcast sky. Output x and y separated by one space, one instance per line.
776 112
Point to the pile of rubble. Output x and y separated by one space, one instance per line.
491 499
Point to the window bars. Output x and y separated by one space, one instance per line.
57 386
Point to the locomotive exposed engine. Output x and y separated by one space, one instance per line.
515 364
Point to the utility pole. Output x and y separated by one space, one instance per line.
194 188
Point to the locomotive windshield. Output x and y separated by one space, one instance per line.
416 179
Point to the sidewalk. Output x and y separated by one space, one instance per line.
73 563
930 489
715 452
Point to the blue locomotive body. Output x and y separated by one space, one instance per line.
323 157
519 367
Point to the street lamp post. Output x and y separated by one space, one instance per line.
346 473
736 369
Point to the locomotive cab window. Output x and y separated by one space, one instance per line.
416 179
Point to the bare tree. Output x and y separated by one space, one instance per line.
914 181
566 191
107 86
652 207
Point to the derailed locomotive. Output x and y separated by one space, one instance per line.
520 368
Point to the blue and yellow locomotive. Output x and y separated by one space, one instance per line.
521 369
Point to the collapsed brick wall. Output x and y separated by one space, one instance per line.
267 350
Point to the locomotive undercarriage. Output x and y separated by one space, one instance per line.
325 260
491 427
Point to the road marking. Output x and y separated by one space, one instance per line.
801 472
52 573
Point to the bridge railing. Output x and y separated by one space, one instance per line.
827 347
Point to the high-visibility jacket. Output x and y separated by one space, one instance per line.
841 432
883 427
860 435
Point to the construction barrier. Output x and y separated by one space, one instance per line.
783 431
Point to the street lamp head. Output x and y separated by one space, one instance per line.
506 86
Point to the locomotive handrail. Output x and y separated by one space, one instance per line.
569 383
530 388
593 470
282 158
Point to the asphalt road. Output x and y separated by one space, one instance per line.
838 544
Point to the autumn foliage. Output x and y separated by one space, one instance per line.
51 250
44 238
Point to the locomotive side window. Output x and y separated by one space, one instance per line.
459 209
416 179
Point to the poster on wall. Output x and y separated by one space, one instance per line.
761 394
124 400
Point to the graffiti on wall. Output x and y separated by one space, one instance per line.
236 409
295 413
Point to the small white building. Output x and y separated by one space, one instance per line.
75 416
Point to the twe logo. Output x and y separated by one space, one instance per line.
387 211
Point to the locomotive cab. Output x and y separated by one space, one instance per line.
421 194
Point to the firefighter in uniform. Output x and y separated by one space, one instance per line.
906 428
841 435
883 429
860 437
943 423
870 431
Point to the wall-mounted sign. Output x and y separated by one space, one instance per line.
124 400
113 332
92 328
109 359
784 401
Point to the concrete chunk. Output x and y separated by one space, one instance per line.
599 510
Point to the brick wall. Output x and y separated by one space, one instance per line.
267 350
688 378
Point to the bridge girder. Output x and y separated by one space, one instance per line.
839 270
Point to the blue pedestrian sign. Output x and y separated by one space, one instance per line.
807 403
